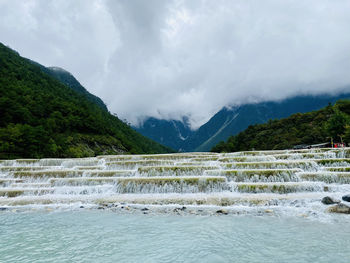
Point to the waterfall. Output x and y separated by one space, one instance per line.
285 178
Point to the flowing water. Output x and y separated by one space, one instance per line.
188 207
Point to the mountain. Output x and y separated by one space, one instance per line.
44 116
299 129
170 133
230 121
69 80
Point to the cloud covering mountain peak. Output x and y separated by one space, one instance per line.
168 59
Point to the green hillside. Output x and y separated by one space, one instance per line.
307 128
69 80
42 117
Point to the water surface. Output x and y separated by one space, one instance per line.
103 236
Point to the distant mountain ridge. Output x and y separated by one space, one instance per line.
231 121
299 129
170 133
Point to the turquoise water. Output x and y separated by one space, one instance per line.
103 236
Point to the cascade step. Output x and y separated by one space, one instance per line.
30 185
307 164
338 161
258 175
216 199
327 177
51 162
281 188
175 170
204 159
8 181
336 169
4 169
47 173
145 180
89 167
298 156
73 173
247 159
254 178
137 163
148 184
12 192
83 181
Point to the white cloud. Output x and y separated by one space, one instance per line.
173 58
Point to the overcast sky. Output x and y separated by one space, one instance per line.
169 59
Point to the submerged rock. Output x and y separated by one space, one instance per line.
180 209
346 198
327 200
222 211
3 208
340 208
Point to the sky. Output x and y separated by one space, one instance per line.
169 59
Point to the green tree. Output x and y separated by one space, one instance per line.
336 124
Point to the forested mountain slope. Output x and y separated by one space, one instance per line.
301 128
42 117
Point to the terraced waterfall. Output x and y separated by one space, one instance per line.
262 182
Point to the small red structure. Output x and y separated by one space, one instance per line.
339 145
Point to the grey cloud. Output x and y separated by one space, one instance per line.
173 58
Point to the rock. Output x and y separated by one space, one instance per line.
100 207
3 208
346 198
327 200
81 206
144 209
179 209
339 208
268 211
222 211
